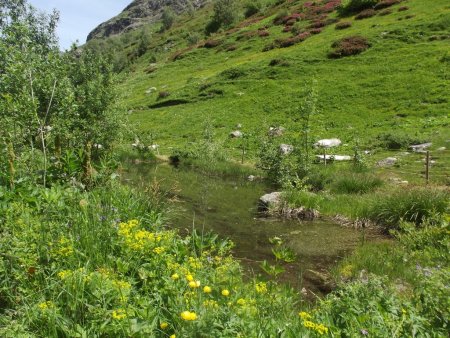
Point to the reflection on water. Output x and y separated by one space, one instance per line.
228 206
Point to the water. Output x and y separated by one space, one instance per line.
228 207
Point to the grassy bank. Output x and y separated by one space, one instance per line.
99 263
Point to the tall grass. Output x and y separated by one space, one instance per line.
413 205
356 184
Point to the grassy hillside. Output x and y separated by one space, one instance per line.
401 83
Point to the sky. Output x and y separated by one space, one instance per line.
79 17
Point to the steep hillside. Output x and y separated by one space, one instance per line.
257 72
139 13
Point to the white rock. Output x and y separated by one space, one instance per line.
236 134
387 162
286 149
419 148
328 143
335 157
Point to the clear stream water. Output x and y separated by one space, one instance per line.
228 206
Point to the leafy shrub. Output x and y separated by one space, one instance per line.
263 33
403 8
395 141
411 205
233 73
386 3
279 17
279 62
356 184
353 6
163 94
385 12
374 308
343 25
348 46
212 43
251 8
317 24
168 18
316 31
367 13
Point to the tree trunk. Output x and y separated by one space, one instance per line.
11 160
87 164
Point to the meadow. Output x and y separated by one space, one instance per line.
83 255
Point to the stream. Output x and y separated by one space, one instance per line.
228 206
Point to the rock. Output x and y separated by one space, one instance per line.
387 162
251 178
236 134
269 201
141 12
286 149
302 213
420 148
276 131
441 149
334 157
328 143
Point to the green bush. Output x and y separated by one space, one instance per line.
352 6
356 184
395 141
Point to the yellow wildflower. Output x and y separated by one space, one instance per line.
173 336
119 314
207 289
189 278
241 301
120 284
46 305
175 276
261 287
304 315
225 293
64 274
189 316
164 325
159 250
194 284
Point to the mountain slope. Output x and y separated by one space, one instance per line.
141 12
398 86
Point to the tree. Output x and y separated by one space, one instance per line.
48 100
168 18
226 12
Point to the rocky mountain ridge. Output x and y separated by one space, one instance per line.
141 12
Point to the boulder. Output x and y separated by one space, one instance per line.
251 178
276 131
328 143
269 201
387 162
286 149
420 148
236 134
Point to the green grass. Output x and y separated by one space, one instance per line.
360 97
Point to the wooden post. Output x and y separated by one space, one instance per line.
427 169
